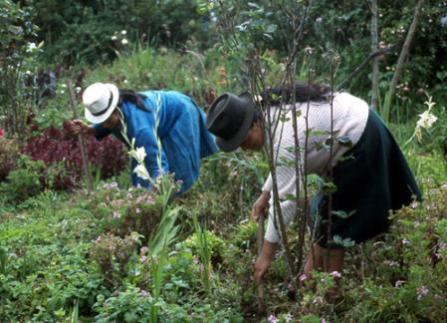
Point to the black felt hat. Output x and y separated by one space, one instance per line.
230 118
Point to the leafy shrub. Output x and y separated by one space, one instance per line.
245 235
9 153
130 305
125 211
86 29
18 56
22 183
54 147
112 254
215 245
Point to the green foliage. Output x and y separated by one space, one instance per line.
97 31
17 61
22 183
9 153
207 245
112 254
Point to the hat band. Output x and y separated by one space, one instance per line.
108 105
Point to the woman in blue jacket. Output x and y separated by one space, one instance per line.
168 124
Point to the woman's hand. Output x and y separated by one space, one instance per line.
76 127
264 260
260 207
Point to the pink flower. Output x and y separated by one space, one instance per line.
422 291
143 259
2 133
335 274
303 277
272 319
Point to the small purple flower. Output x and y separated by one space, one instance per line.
143 259
144 250
422 292
303 277
272 319
110 186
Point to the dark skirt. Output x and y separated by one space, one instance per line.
372 179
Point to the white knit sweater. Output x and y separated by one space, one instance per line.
350 115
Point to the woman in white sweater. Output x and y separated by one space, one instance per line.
368 169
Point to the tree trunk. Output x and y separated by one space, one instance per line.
400 62
374 48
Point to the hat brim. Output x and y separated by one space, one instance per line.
104 116
233 143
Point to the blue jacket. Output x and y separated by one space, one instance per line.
181 130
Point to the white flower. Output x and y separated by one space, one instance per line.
399 283
31 47
124 41
123 32
139 154
142 172
426 120
113 37
78 89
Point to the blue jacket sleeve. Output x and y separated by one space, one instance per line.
155 161
101 132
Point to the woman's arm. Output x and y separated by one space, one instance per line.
76 127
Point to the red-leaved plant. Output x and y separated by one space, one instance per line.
55 148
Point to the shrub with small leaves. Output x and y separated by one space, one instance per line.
22 183
112 254
125 211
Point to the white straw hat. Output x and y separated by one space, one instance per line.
100 100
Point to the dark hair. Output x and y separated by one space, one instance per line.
133 97
301 92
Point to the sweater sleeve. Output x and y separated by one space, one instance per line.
286 188
267 187
286 178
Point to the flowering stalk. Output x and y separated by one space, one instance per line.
426 121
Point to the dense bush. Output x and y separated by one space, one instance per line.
23 182
9 153
86 30
63 159
18 57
